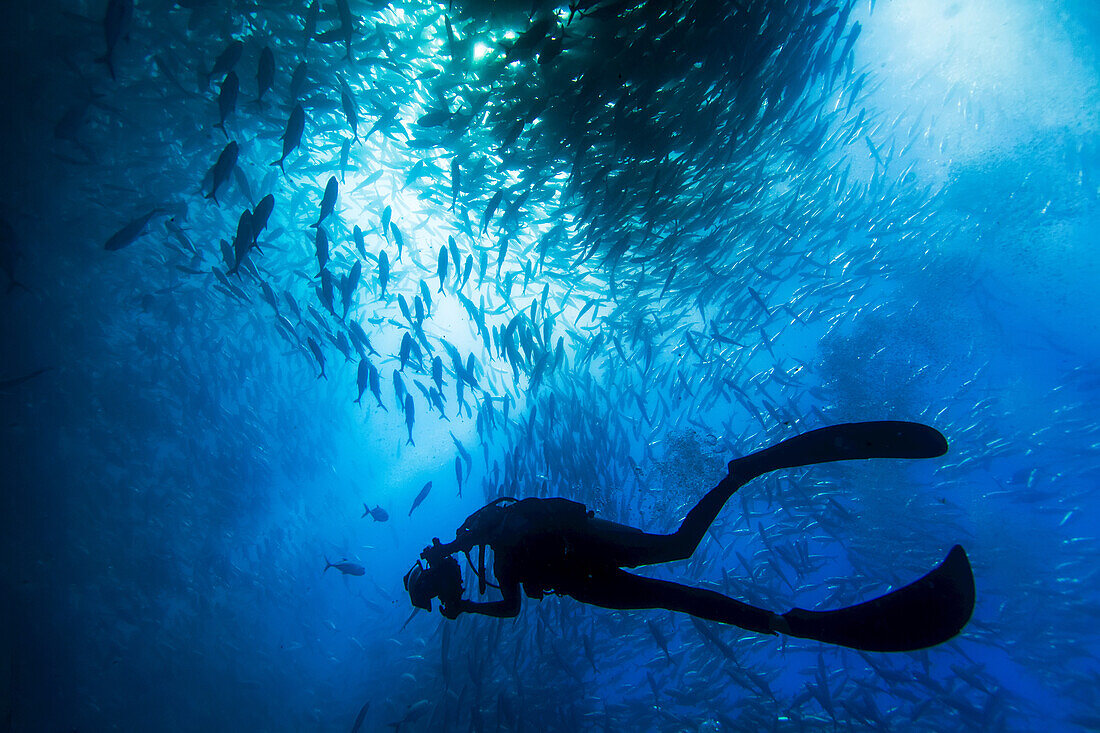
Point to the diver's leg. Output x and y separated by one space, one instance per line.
848 441
619 589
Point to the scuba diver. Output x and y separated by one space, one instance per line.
557 546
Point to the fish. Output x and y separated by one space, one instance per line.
243 240
420 497
491 209
130 233
398 239
6 384
376 387
347 26
441 270
360 717
659 637
223 168
328 201
265 72
313 12
360 241
226 60
362 380
458 474
292 136
227 99
415 711
378 514
320 247
426 294
386 214
347 568
298 79
347 103
409 419
116 23
320 357
261 214
434 118
456 183
465 454
350 285
383 271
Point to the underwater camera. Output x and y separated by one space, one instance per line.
441 579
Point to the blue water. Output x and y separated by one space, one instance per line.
901 227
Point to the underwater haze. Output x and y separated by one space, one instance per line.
270 268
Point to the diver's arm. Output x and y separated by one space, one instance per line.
508 607
462 543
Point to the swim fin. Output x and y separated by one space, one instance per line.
924 613
845 442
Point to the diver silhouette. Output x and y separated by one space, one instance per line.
557 546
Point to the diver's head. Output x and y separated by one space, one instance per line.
442 578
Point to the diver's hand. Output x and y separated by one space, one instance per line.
433 552
451 610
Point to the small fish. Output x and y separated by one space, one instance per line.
464 453
265 72
6 384
347 102
226 60
409 419
320 357
362 379
298 79
383 271
398 239
320 241
491 209
243 240
423 492
376 387
262 213
426 294
347 568
434 118
129 234
116 22
292 137
223 168
328 201
442 269
227 99
386 214
378 514
360 242
456 182
312 14
360 717
414 713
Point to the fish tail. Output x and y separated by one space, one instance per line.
327 565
